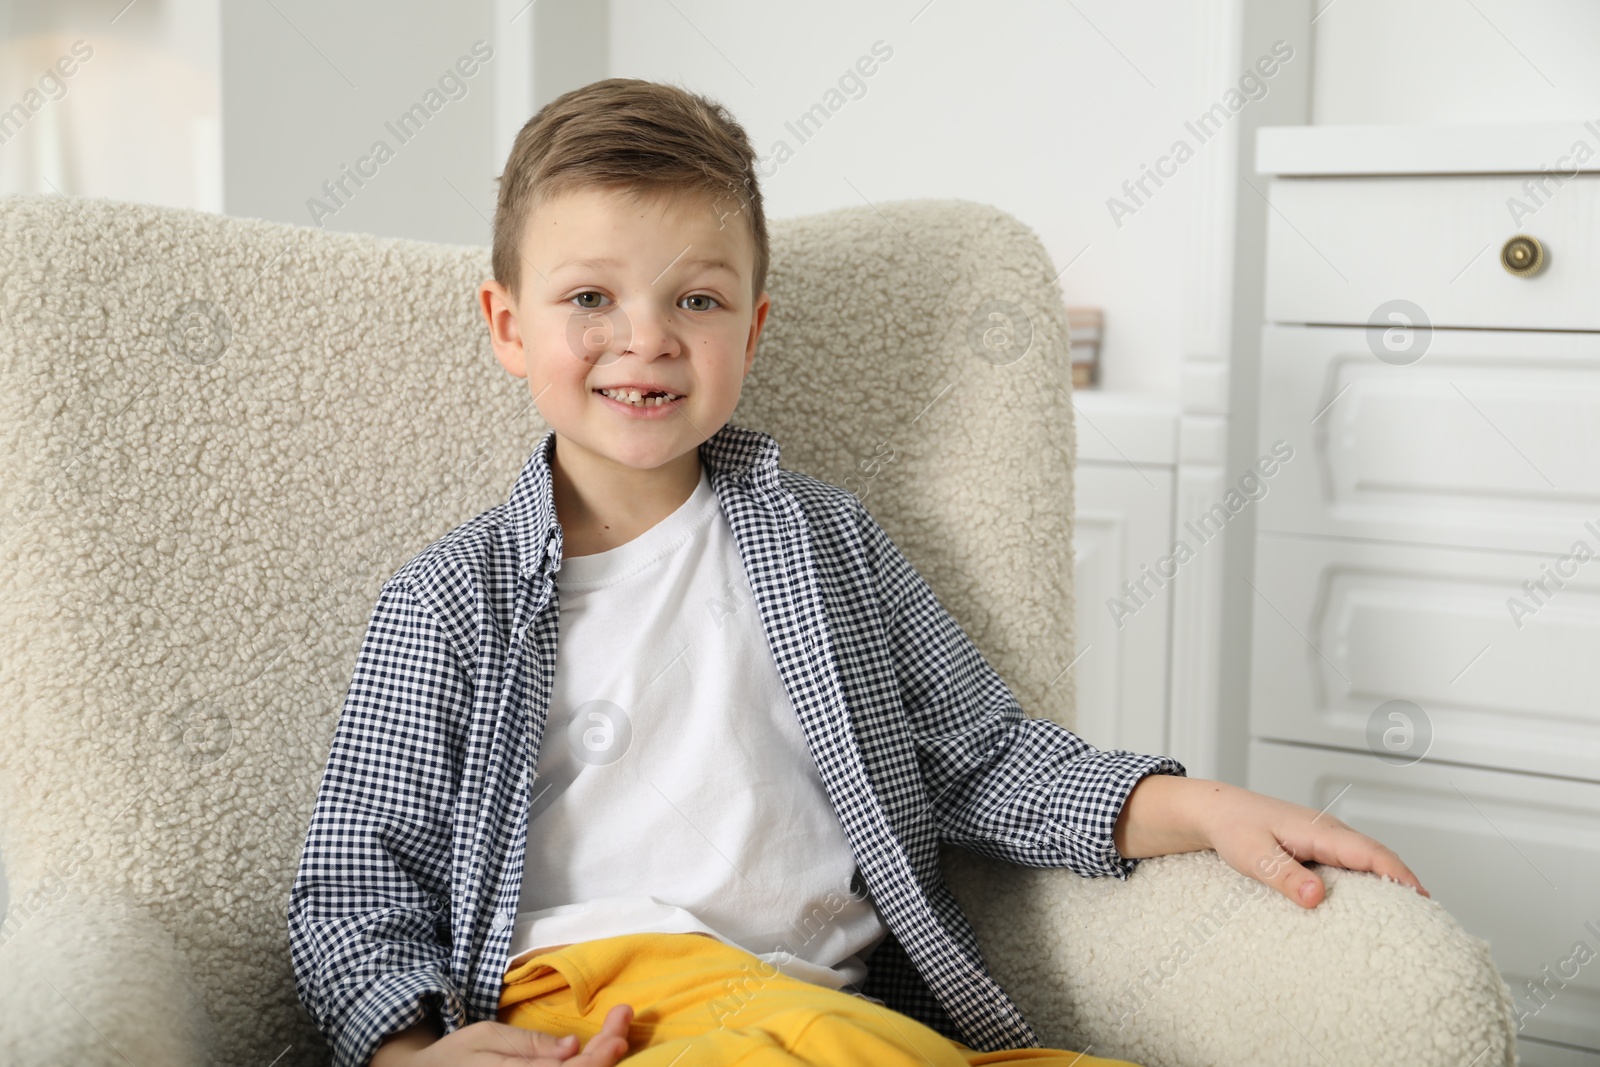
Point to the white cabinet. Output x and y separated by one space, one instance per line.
1122 523
1425 651
1123 494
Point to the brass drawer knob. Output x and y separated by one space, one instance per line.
1522 255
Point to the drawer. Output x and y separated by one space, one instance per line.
1343 627
1515 858
1342 248
1490 440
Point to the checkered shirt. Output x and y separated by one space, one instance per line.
406 893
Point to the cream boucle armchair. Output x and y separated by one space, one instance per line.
219 436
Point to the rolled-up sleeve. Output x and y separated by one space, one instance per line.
1022 789
369 910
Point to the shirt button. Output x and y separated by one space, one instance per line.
500 922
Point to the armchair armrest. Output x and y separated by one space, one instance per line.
96 981
1191 964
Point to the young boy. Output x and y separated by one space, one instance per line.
660 751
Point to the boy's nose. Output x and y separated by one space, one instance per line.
648 334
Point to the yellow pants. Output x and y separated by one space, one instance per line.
720 1005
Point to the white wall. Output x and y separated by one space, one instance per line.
1447 61
1025 104
310 91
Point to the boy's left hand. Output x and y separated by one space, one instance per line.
1265 837
1259 836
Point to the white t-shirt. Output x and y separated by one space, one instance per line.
674 790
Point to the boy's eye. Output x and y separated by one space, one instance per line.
702 296
590 292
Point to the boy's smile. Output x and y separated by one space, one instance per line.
635 326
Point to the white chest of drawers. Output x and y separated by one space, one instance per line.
1426 637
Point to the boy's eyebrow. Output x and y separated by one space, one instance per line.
710 262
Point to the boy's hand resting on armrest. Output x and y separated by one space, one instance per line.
1258 835
494 1044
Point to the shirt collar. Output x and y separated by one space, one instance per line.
732 452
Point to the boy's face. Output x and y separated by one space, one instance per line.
659 315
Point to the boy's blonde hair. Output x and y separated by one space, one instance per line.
628 134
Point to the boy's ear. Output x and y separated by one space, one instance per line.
505 335
758 320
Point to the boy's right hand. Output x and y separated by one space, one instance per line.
494 1044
